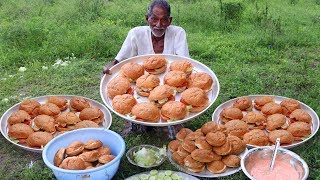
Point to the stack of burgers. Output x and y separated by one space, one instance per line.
80 156
162 102
36 124
209 147
261 121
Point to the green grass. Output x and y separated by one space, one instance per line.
273 48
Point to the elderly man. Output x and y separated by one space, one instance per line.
159 37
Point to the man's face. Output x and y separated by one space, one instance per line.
158 21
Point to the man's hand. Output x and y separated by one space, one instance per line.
106 69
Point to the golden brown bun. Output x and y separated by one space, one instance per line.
299 129
67 118
224 149
196 169
271 108
200 80
155 64
301 115
244 104
45 122
174 110
146 83
195 97
38 139
188 145
92 144
146 111
73 163
49 109
59 157
182 152
79 103
289 105
209 127
173 145
176 79
192 163
31 107
181 65
131 71
275 121
86 124
237 145
231 113
20 130
285 136
216 138
90 156
103 150
237 128
118 86
106 158
183 133
261 101
254 117
177 158
216 167
194 135
18 117
203 155
88 165
231 160
201 143
256 137
59 101
161 92
92 114
123 103
75 148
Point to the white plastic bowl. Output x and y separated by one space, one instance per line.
109 138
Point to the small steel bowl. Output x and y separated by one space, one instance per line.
135 149
250 158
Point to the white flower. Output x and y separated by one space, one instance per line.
3 79
44 67
22 69
30 165
11 76
58 62
5 100
65 63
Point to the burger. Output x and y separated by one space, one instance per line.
203 155
289 105
237 128
49 109
200 80
66 121
244 104
194 135
132 71
259 102
188 145
59 156
216 167
299 130
90 156
271 108
276 121
78 104
155 64
231 161
211 127
216 138
181 65
92 114
145 111
161 94
146 83
177 158
300 115
181 135
104 150
44 122
202 143
59 101
20 132
237 145
182 152
39 139
173 145
106 158
92 144
255 120
73 163
285 136
31 107
230 113
176 79
123 103
75 148
19 116
86 124
224 149
119 86
256 137
195 99
193 165
173 110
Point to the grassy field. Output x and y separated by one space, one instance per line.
254 47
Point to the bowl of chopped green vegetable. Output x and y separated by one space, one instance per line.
146 156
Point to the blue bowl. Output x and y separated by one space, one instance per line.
109 138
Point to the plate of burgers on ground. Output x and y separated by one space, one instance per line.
260 119
159 90
32 123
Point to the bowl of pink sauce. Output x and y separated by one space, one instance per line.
288 165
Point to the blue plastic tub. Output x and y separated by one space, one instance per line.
109 138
